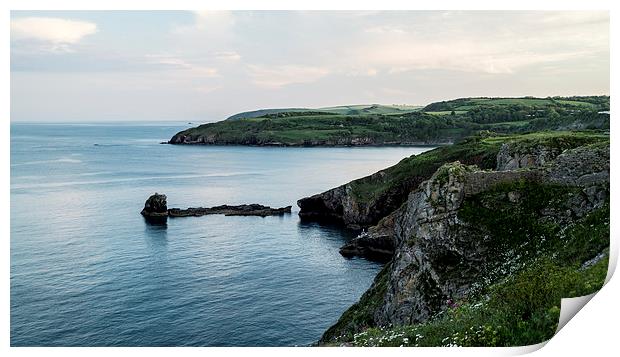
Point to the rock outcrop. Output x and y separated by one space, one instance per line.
345 204
377 243
444 248
534 152
227 210
512 157
156 210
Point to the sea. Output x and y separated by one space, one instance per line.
87 270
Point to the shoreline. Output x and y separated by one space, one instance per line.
430 145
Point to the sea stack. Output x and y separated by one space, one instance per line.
155 208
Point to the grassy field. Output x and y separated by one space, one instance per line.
466 104
577 103
359 109
447 112
371 109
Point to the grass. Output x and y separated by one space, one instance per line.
510 124
471 151
447 112
461 108
577 103
522 310
371 109
508 101
466 104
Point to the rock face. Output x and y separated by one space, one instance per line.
343 205
441 250
188 137
512 158
534 153
582 166
155 206
376 244
431 242
437 260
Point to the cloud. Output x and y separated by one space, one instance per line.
210 22
230 56
219 19
205 89
571 18
456 56
56 33
538 39
352 71
320 58
386 30
176 63
280 76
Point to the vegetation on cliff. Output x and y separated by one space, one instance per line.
521 309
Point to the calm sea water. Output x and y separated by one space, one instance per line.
86 270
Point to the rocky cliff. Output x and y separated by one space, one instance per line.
465 230
188 137
363 202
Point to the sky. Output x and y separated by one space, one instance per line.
205 66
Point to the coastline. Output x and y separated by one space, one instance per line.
280 145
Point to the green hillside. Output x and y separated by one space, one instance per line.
440 122
342 109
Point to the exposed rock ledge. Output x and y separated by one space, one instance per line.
240 210
155 209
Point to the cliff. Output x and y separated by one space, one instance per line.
363 202
483 256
